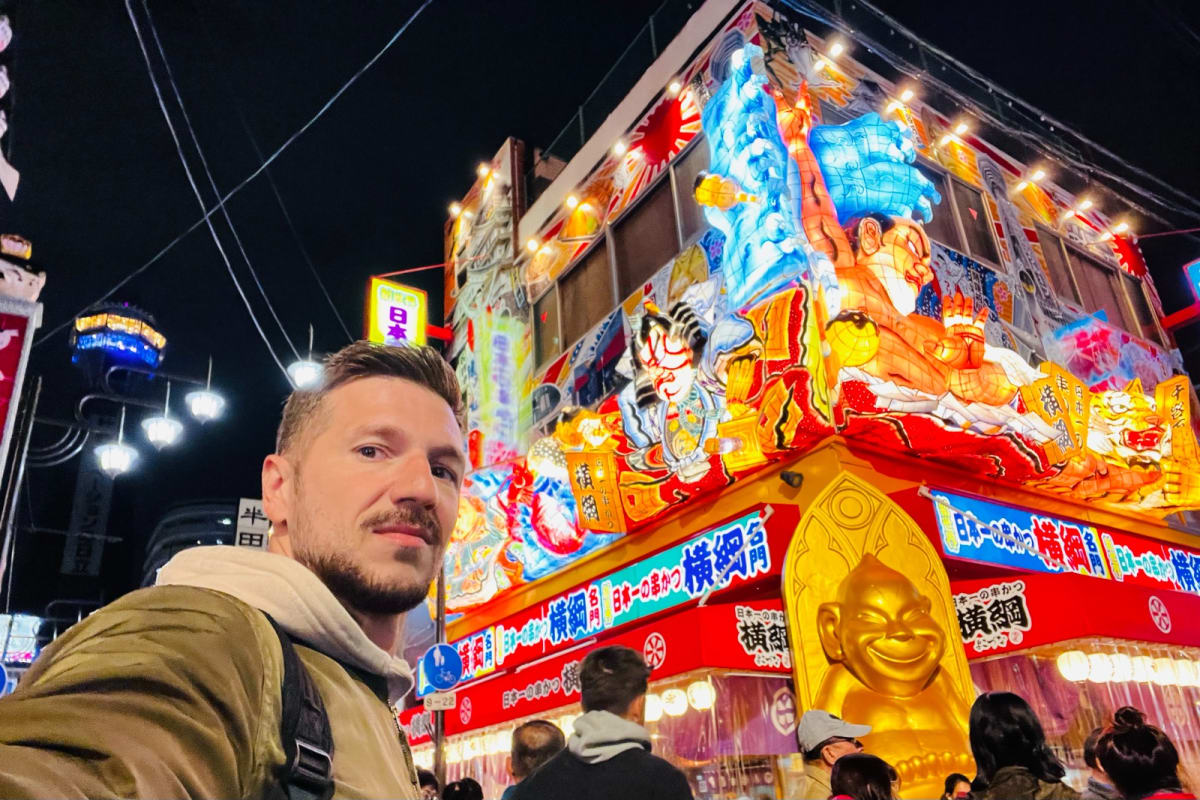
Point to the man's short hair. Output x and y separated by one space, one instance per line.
611 678
533 744
427 778
419 364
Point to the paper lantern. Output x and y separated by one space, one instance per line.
1073 665
1122 668
1163 672
701 695
654 708
674 702
1143 668
1099 668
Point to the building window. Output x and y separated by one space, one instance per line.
976 225
1056 265
942 228
1100 289
687 167
586 293
547 342
645 238
1147 324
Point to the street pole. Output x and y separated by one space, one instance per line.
439 717
16 473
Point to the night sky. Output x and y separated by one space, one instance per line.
102 188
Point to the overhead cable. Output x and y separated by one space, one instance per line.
208 212
212 182
196 191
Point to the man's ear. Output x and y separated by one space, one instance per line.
277 477
829 616
870 235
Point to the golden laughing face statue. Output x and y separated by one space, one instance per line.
881 630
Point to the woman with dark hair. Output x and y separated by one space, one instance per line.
1012 758
859 776
1140 760
465 789
957 785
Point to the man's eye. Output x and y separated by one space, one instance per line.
445 473
368 451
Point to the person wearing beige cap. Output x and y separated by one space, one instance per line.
824 738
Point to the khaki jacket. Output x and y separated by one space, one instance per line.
174 691
815 783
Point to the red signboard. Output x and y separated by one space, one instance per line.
998 615
739 636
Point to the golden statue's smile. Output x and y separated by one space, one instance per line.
909 652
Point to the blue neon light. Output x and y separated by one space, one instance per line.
121 345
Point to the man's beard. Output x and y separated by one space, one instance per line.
351 586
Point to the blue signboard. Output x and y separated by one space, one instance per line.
1012 537
441 667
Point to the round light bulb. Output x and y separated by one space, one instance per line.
1099 668
205 405
1164 672
116 458
674 702
306 374
162 431
654 708
1122 668
1073 665
1143 668
701 695
1185 672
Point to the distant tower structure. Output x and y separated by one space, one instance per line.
116 335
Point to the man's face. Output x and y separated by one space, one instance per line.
668 360
369 494
901 263
838 748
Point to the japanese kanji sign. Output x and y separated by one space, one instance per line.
252 524
762 633
981 531
994 617
728 555
396 314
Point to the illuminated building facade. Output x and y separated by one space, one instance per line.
788 330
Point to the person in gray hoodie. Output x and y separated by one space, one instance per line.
608 755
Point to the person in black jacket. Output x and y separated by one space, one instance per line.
608 755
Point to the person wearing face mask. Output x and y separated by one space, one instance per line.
824 738
245 669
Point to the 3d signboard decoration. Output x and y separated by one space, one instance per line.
873 632
817 305
396 314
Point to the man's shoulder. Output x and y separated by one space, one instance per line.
174 622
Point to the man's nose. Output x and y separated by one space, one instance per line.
411 480
899 631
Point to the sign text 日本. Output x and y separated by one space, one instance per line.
982 531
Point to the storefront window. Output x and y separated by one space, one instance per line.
977 227
1101 676
645 239
942 228
1056 265
546 339
693 162
1136 293
732 735
1099 289
586 293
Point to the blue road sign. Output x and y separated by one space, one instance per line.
443 668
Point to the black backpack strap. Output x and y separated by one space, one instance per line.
307 739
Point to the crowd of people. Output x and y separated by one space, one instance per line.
608 754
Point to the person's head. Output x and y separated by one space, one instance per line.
880 627
363 486
533 744
666 347
614 679
863 777
465 789
1089 754
428 783
1006 733
1138 758
957 785
825 738
896 251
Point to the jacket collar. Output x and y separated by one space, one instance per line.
295 598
